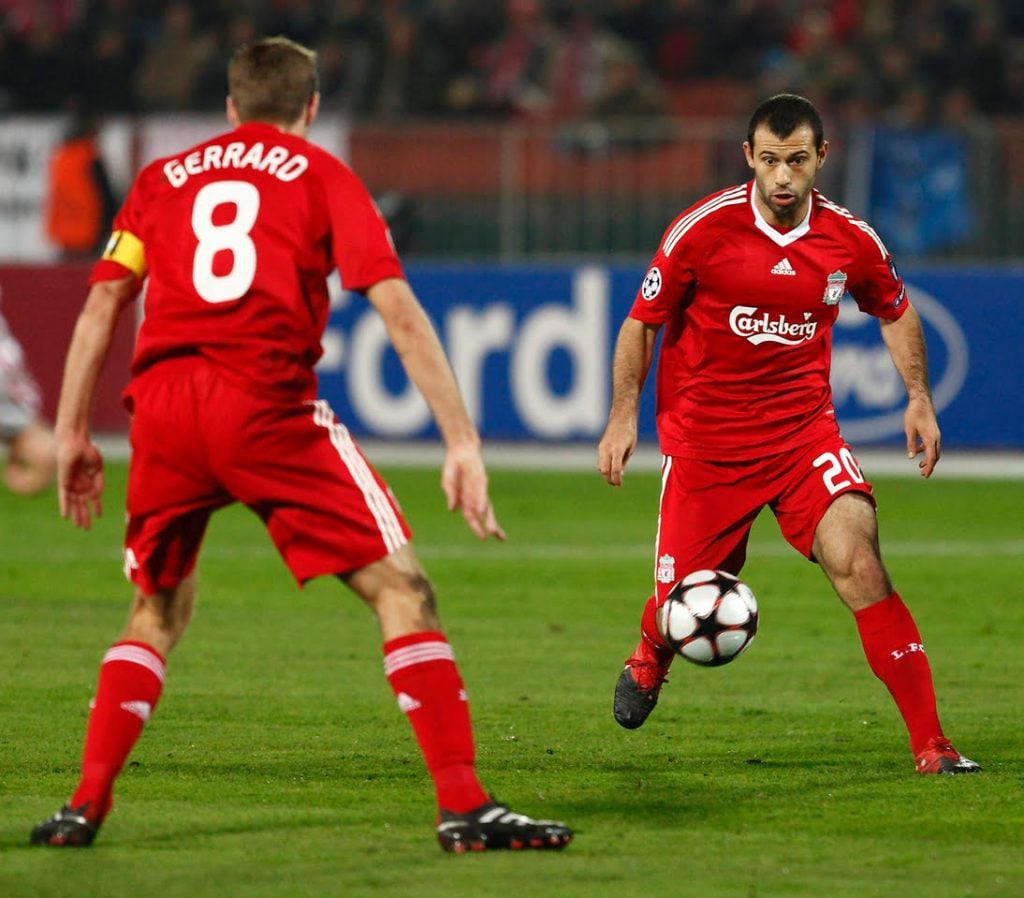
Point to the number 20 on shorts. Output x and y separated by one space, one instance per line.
842 470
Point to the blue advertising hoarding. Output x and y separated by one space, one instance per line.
531 346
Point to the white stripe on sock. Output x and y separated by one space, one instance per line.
419 653
136 654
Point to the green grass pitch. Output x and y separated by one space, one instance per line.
279 765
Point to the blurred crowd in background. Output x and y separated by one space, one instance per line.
898 61
634 108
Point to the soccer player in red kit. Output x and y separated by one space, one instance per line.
747 285
235 238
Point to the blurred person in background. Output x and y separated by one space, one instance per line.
171 67
511 75
596 74
80 202
352 56
29 446
108 43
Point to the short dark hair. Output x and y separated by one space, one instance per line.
783 114
271 80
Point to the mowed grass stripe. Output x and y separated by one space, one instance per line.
278 765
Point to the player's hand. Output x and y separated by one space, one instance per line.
79 480
617 445
464 481
923 434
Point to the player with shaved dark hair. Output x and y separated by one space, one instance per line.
746 286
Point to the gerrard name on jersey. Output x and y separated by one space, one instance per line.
276 161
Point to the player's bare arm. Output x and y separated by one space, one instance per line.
634 350
905 341
463 475
79 463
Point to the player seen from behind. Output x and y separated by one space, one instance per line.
235 238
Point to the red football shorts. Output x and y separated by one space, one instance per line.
707 508
200 442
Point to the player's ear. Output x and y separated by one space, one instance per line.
749 153
822 153
232 113
313 108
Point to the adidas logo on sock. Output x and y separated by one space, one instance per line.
783 267
407 703
142 710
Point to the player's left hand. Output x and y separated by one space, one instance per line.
923 436
464 481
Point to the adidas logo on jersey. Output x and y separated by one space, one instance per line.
783 267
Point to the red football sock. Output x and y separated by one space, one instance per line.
130 680
421 670
894 651
649 628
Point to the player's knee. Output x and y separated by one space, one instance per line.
398 591
161 618
424 590
858 575
871 579
421 601
411 606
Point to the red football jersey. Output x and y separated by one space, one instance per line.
237 236
743 368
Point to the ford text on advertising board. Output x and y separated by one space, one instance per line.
531 347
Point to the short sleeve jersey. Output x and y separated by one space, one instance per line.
235 239
743 367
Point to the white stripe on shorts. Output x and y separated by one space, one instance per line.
376 498
418 653
136 654
666 468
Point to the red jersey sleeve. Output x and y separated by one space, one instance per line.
876 285
124 252
361 242
668 280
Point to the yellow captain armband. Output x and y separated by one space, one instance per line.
126 249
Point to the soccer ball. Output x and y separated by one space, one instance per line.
708 617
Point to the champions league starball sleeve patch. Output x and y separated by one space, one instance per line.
651 286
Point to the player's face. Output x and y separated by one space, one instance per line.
784 172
